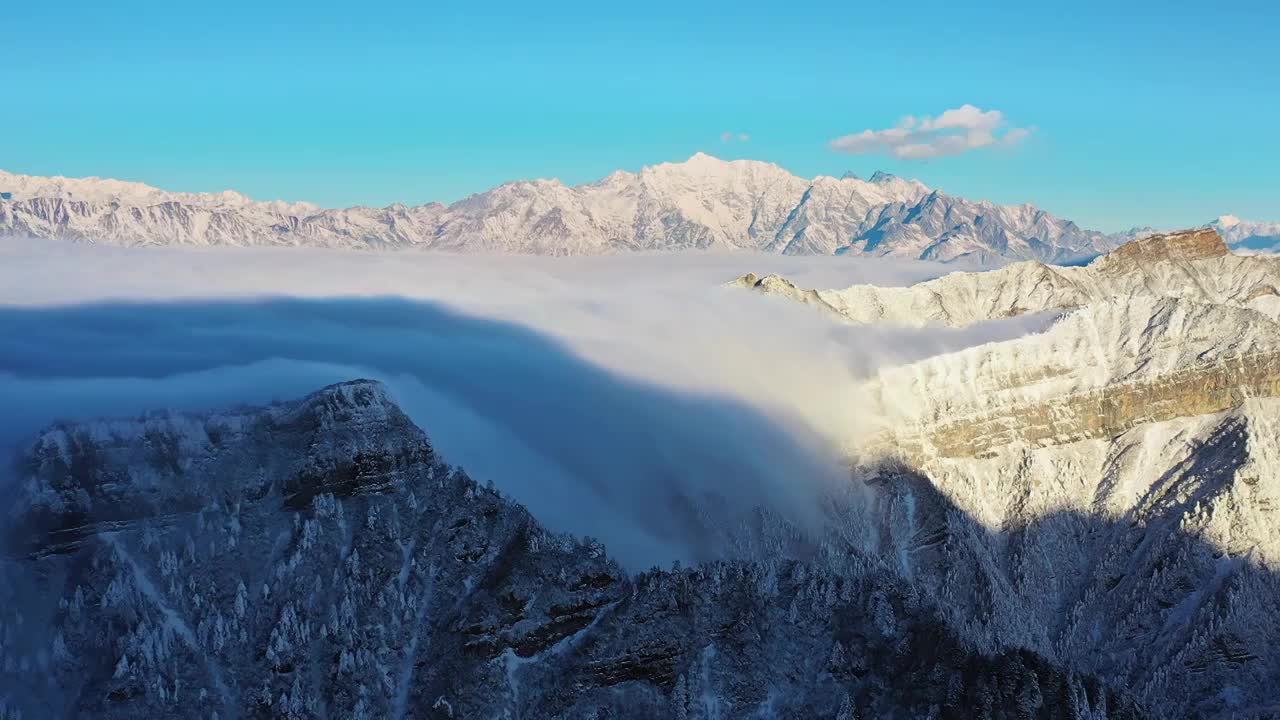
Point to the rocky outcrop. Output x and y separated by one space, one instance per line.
1185 246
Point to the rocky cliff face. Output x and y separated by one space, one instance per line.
702 203
316 559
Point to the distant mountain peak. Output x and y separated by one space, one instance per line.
1248 235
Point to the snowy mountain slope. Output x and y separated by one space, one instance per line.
1192 264
1104 492
941 227
1148 558
316 559
1098 372
701 203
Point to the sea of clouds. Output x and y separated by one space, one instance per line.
593 390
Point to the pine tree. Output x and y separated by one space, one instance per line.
680 699
847 712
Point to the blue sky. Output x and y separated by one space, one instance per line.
1143 112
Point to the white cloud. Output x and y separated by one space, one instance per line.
728 137
955 131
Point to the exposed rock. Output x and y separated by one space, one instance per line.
1185 246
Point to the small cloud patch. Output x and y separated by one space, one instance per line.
955 131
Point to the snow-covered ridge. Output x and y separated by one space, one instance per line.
165 454
1100 371
398 587
702 203
1192 264
1167 326
131 194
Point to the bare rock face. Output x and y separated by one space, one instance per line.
1185 246
317 559
1098 372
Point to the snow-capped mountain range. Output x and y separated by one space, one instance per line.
702 203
